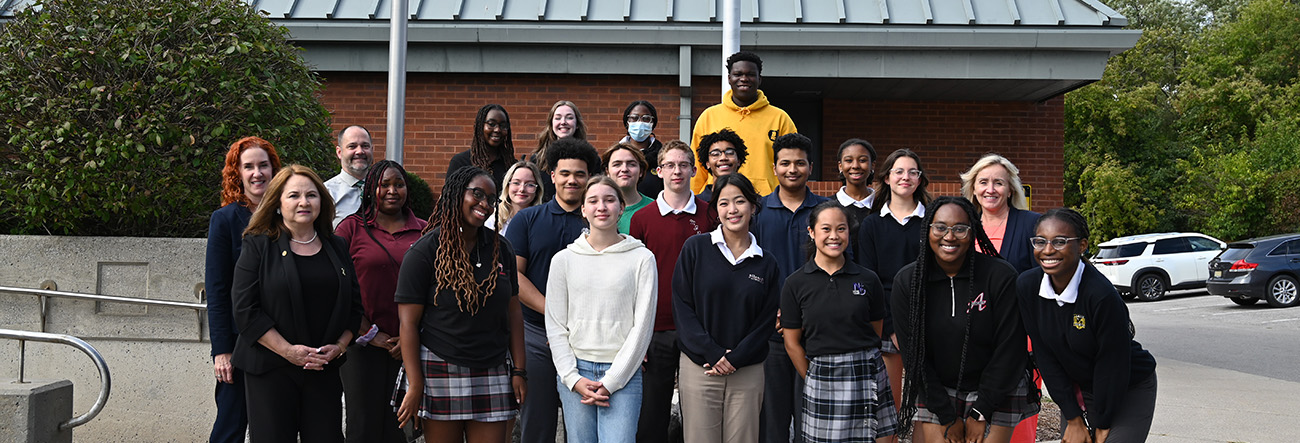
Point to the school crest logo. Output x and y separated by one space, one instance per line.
771 135
859 290
1080 322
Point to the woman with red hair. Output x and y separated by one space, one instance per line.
250 164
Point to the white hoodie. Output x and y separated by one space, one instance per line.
600 307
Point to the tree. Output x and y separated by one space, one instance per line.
117 113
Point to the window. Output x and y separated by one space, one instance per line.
1203 244
1172 246
1290 247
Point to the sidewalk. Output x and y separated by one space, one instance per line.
1198 403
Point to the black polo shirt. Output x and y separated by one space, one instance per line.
536 234
834 311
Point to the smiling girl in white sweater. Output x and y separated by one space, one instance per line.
600 308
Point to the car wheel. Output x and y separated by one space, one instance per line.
1244 301
1282 292
1150 287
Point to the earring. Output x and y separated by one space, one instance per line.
277 211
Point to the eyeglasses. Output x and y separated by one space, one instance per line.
672 166
530 186
1057 243
493 124
716 153
633 118
479 195
898 172
958 231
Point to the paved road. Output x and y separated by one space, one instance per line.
1227 373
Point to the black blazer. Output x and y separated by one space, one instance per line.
1015 240
267 294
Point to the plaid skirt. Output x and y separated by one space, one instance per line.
454 392
846 398
1022 403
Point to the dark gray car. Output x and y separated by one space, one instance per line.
1264 268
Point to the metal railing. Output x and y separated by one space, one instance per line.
43 294
105 381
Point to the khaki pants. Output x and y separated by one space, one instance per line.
720 409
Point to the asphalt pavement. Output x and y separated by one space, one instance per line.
1226 373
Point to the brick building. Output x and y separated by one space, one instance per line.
950 79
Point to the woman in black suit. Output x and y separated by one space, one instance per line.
297 306
993 185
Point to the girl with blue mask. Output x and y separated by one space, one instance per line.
640 119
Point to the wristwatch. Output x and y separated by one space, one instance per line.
977 415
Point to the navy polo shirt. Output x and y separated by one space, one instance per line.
536 234
782 233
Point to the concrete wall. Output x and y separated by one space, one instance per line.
158 356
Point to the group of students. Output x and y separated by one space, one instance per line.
558 280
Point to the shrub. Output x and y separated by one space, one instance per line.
115 115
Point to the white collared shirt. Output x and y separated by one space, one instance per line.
753 251
918 212
845 200
665 208
346 191
1071 292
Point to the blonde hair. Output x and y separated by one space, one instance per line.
1017 198
505 208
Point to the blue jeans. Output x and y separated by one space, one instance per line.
590 423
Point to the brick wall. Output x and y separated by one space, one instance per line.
949 136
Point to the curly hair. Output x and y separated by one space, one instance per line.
745 56
366 214
546 137
914 356
452 268
723 135
232 186
480 151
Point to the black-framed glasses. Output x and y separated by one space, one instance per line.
716 153
482 196
958 231
493 124
633 118
1057 243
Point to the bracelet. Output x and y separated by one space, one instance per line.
519 373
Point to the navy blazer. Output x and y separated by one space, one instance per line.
1015 240
268 294
225 236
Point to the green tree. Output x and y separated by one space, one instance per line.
117 113
1119 202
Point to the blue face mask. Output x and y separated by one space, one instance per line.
639 131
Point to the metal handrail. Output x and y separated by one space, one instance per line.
101 297
198 308
105 381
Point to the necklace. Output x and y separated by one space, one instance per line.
308 242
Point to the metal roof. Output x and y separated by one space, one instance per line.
873 12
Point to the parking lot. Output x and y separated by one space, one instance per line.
1227 373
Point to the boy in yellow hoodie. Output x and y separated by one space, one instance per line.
745 110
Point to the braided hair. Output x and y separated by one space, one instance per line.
1069 217
452 269
367 214
914 356
479 150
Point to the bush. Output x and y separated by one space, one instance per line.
116 114
421 195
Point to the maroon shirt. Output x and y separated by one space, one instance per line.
377 269
664 235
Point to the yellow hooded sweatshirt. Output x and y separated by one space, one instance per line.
758 124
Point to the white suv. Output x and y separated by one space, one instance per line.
1147 266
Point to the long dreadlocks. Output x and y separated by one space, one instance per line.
914 356
480 152
367 213
451 263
